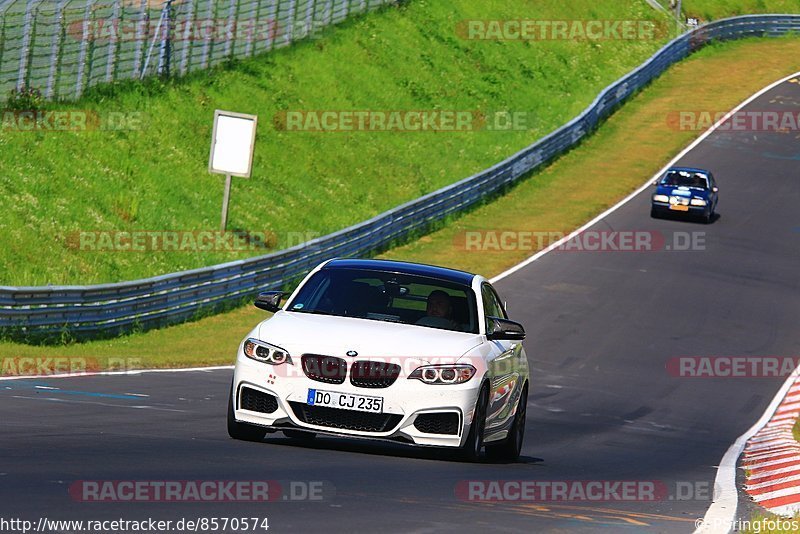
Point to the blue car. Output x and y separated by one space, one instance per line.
685 190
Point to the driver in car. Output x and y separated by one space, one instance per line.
439 311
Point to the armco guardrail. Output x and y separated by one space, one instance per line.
61 47
103 310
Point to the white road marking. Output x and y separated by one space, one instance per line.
117 373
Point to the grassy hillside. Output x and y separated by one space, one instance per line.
54 185
717 9
549 201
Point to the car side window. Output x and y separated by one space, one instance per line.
491 304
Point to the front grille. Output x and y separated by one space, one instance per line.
437 423
328 369
345 419
257 401
366 374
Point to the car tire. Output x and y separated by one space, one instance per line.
654 213
471 450
510 448
242 431
301 435
707 216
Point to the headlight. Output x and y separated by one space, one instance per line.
660 198
443 374
265 353
698 202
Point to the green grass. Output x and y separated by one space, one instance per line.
548 201
55 185
718 9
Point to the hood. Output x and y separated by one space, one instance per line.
301 333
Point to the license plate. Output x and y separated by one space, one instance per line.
679 207
345 401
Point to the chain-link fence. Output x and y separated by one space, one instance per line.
61 47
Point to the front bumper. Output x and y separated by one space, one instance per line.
665 207
404 402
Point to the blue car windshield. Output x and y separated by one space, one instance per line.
685 179
392 297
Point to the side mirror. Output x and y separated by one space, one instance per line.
655 182
504 329
269 300
715 189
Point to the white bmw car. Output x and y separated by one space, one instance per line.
385 350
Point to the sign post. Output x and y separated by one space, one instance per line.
232 143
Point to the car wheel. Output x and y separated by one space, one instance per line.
242 431
654 213
471 450
510 448
299 435
707 216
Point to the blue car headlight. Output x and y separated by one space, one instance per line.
698 202
660 198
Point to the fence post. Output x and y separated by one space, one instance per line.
230 29
165 51
55 49
85 42
253 31
289 36
272 22
188 38
113 43
311 7
25 50
142 30
208 47
2 39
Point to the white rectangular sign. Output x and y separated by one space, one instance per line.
232 144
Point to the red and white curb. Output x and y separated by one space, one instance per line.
771 459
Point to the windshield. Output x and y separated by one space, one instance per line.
686 179
391 297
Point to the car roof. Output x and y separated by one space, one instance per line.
403 267
688 169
